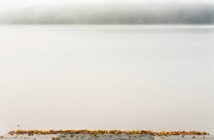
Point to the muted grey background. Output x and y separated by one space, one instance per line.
107 12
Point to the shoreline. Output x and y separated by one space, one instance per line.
92 132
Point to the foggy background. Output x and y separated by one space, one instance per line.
103 12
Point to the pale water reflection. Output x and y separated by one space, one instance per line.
107 77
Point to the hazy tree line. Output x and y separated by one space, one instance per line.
170 13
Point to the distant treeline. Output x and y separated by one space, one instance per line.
144 13
148 132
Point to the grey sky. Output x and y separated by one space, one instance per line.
112 13
15 4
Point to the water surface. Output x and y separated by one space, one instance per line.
107 77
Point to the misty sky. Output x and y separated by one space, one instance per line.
16 4
62 77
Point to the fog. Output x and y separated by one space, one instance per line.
112 13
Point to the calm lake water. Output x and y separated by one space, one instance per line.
107 77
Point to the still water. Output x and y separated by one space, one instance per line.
107 77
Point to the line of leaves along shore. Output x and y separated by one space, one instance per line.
92 132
